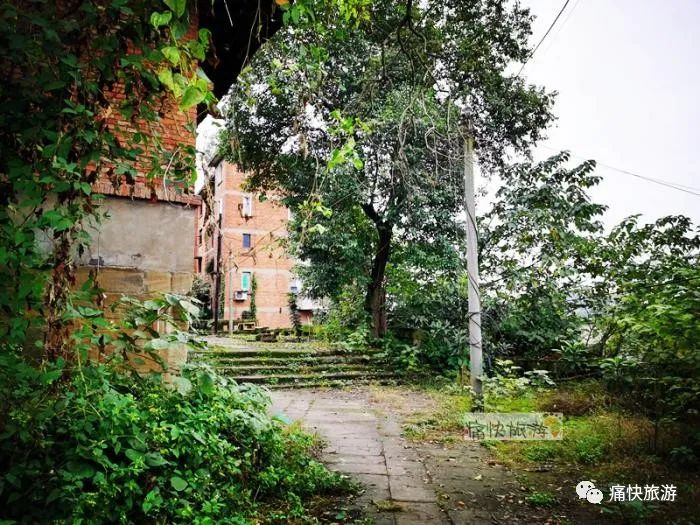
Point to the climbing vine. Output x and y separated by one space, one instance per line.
253 293
85 87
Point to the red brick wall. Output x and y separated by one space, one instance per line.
267 258
172 129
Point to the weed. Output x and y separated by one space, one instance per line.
541 452
542 499
388 505
590 449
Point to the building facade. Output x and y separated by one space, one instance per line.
248 238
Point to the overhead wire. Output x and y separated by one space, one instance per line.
673 185
549 30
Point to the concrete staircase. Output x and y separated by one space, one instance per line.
297 367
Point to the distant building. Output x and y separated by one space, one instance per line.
249 236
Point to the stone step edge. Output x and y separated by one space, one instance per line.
333 383
324 367
286 359
292 377
281 353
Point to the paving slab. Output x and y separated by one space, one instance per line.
368 446
434 484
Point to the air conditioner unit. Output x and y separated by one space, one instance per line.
240 295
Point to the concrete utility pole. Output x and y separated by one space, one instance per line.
230 291
217 276
475 353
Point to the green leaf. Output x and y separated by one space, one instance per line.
206 384
178 483
192 96
166 78
56 84
159 344
153 305
190 308
133 455
161 19
153 459
176 6
172 54
87 311
80 469
183 385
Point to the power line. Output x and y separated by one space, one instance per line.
673 185
544 37
561 26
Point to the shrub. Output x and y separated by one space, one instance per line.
590 449
104 447
541 452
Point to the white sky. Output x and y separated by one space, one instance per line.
627 73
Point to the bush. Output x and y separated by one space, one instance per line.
590 449
93 445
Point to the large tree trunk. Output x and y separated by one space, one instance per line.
375 301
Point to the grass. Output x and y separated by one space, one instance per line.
542 499
602 442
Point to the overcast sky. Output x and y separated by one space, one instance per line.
627 73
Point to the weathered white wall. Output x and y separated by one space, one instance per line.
143 235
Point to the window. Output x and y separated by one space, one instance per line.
247 206
245 281
247 241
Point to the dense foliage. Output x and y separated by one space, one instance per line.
110 448
650 323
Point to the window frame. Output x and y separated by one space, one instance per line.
246 287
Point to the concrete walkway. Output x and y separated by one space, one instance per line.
370 449
426 483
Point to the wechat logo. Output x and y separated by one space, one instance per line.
586 490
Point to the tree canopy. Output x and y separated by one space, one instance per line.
364 126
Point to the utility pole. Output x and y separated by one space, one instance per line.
230 291
217 276
475 353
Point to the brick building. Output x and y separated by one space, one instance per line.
252 249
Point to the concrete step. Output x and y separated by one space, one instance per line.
263 368
297 366
331 383
277 353
277 379
311 358
269 362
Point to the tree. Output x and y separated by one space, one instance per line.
363 128
647 286
535 245
536 242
